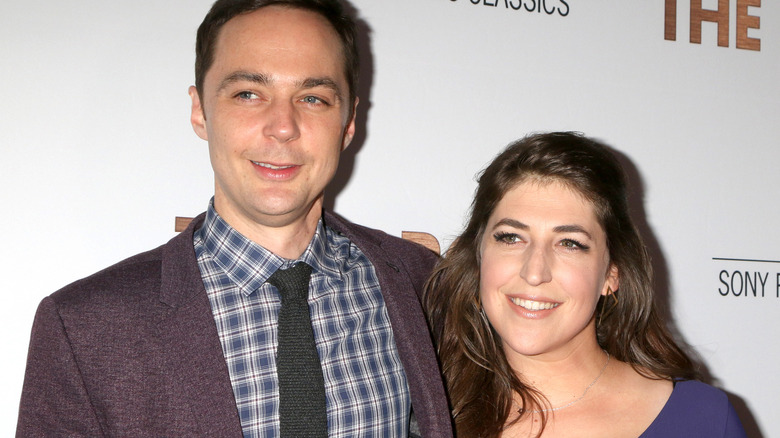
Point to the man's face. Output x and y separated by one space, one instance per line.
275 110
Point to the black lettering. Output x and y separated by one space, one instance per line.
763 283
750 284
778 285
539 6
563 14
726 292
741 284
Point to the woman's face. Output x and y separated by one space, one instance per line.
544 265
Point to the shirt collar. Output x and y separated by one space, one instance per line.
248 264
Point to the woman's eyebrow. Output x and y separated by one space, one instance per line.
511 223
572 229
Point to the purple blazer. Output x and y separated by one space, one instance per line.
133 350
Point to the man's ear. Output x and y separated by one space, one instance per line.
613 280
349 131
197 116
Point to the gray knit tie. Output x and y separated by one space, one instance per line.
302 411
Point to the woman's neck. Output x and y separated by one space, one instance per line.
564 377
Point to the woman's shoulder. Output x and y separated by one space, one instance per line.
696 409
686 391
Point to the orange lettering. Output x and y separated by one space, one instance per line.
721 16
670 23
745 22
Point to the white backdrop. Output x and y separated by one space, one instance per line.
98 155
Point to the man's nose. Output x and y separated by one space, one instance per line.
282 122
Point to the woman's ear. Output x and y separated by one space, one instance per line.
612 284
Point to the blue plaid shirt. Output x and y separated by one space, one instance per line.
366 390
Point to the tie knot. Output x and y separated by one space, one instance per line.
292 282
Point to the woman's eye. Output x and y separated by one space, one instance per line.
508 238
573 244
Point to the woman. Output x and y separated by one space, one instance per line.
544 313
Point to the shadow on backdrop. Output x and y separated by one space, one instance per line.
662 285
347 160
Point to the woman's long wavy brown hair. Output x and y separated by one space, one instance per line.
479 380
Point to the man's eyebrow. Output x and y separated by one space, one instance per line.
244 76
320 82
265 80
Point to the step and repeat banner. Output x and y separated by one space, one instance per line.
99 156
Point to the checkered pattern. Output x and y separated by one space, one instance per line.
365 385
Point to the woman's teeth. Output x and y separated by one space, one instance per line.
533 305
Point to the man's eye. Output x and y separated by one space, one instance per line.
312 100
246 95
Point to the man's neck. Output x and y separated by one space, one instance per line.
285 239
289 241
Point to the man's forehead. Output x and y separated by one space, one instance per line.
278 29
277 22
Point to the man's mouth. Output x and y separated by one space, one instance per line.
271 166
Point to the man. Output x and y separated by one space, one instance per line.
181 340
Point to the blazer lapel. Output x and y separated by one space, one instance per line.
414 345
189 335
398 271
